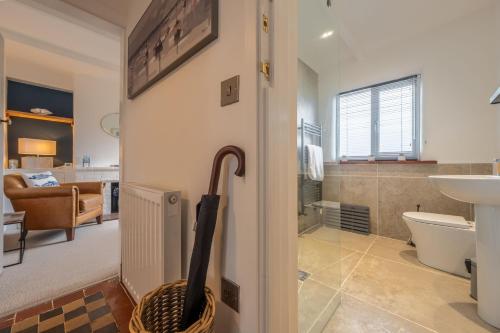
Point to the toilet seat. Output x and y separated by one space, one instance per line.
451 221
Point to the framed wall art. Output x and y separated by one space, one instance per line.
168 34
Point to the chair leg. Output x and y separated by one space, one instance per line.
24 234
70 234
99 219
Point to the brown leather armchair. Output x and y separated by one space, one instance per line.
64 207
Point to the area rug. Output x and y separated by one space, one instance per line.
90 314
53 267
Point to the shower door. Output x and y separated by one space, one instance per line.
319 242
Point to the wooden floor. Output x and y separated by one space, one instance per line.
115 296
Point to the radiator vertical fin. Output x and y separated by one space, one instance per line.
150 222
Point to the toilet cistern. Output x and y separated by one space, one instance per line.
484 193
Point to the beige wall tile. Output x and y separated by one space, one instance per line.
391 189
332 169
331 188
453 169
399 195
361 191
406 170
359 169
481 169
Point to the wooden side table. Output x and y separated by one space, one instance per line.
12 219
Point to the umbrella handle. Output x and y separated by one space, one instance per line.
216 168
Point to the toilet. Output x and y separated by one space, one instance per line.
442 241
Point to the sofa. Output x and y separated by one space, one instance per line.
61 207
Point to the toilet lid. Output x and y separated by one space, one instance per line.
439 219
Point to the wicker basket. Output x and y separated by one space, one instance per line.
161 311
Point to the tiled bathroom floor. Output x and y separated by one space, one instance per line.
383 288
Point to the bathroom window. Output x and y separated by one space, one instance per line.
380 121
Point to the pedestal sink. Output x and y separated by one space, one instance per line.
484 193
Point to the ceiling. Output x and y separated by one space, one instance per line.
58 42
365 26
114 11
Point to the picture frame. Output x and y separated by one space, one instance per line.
168 34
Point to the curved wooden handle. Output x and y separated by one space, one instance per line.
216 168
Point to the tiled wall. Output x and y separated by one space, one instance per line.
392 189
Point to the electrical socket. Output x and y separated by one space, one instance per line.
230 294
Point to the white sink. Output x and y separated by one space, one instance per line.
484 190
484 193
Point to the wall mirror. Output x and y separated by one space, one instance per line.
110 124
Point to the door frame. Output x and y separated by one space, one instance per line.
278 232
3 84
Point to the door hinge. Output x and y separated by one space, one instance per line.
265 68
265 23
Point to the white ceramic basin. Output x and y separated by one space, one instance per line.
484 193
484 190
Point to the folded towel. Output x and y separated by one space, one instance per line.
315 163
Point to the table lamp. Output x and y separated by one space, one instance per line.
37 148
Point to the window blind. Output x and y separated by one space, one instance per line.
379 120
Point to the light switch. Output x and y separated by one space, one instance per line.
230 91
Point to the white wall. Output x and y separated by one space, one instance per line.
170 134
93 98
308 94
457 63
30 72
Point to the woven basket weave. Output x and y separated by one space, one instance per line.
161 311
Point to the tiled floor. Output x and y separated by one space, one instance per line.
116 298
383 287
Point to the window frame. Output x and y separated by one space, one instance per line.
375 123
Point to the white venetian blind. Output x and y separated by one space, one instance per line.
379 120
355 119
396 111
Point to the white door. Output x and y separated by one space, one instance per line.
2 139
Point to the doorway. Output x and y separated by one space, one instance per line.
61 91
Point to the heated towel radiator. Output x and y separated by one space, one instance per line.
150 238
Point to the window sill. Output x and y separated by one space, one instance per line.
388 162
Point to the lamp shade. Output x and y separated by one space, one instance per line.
36 147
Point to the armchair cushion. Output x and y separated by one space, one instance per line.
88 202
40 179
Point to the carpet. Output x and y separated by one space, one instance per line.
90 314
53 267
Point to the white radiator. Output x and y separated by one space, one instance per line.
151 238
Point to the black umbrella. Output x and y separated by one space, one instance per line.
206 217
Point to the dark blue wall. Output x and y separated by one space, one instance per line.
24 97
62 133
